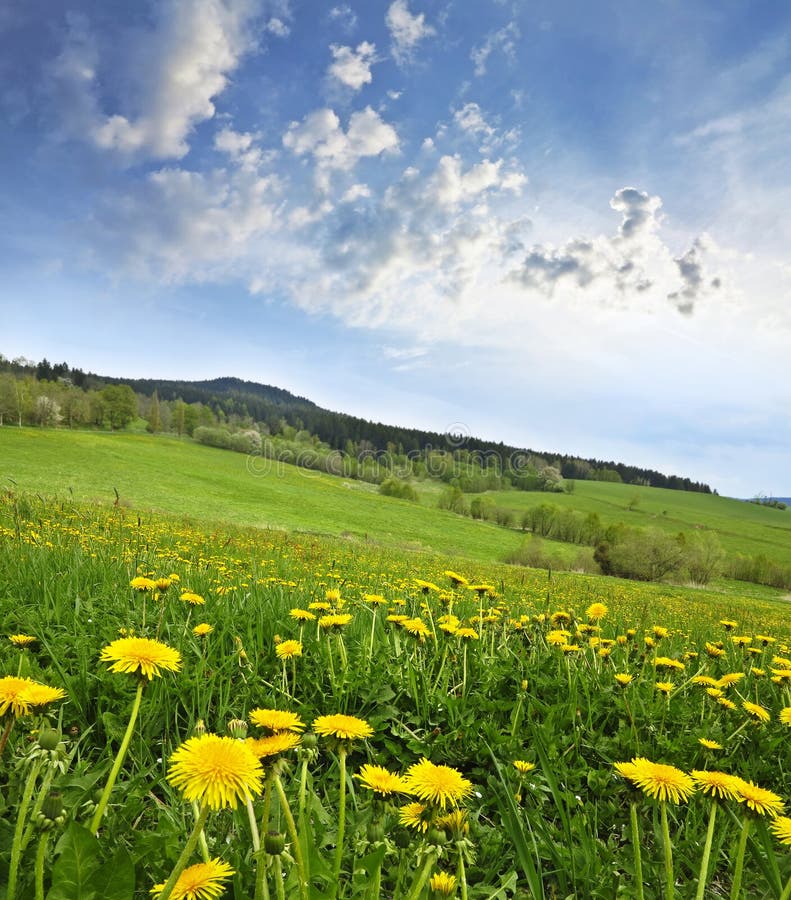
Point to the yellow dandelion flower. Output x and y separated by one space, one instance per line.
162 584
417 628
710 745
704 679
664 687
756 711
141 583
523 766
443 884
781 828
276 720
302 615
219 771
657 780
728 704
559 616
728 624
760 800
274 744
665 662
570 648
714 651
22 640
374 599
333 595
624 678
415 815
438 785
20 694
426 586
765 639
335 620
203 629
714 692
320 605
596 612
136 654
660 632
730 678
381 780
785 716
469 634
456 579
192 598
342 727
558 637
288 649
203 881
719 785
454 821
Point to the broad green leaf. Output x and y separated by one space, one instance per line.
115 879
78 861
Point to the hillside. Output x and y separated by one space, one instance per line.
182 477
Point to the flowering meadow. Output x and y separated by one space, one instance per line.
194 711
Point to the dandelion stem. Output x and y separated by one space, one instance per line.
422 876
16 846
182 861
786 891
738 868
281 891
119 759
638 861
704 862
670 888
261 886
256 837
292 830
462 872
6 731
39 868
336 872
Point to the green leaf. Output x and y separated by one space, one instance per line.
78 861
115 879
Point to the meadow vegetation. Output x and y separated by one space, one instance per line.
251 713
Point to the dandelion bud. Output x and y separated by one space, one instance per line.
199 729
437 837
49 738
310 740
52 807
274 843
237 728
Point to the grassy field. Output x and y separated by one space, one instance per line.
741 527
502 712
167 474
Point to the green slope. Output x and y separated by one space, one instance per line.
179 476
741 527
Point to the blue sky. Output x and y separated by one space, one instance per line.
561 225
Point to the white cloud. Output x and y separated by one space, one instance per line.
321 135
345 15
406 30
503 39
352 68
356 192
177 68
278 27
240 147
179 225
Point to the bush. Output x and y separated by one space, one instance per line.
394 487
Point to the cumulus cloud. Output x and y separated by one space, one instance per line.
470 120
406 30
278 27
504 40
321 135
633 263
345 16
176 70
179 225
352 68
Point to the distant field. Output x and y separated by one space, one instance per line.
210 485
741 527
